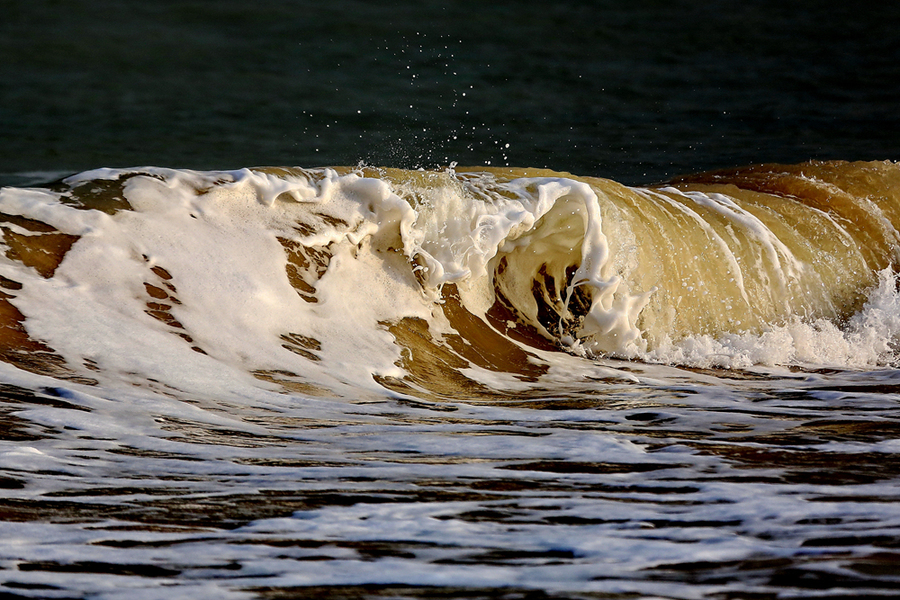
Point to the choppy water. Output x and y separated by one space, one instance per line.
287 383
453 383
676 484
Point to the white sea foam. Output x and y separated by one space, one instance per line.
867 340
394 242
265 463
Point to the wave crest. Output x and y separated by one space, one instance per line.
322 278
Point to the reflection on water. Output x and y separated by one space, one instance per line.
752 487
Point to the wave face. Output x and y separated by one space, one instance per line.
424 282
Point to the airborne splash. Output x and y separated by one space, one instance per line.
315 279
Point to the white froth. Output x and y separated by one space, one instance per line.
217 234
867 340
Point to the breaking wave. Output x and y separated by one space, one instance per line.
427 281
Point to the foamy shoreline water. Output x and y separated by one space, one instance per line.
301 383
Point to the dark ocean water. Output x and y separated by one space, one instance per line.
637 91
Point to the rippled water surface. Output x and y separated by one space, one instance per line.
668 483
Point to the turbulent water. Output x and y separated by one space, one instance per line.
468 382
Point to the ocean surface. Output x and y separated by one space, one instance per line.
449 300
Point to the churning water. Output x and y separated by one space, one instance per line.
387 381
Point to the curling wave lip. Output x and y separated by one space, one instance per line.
201 277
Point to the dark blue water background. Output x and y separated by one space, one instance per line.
636 91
